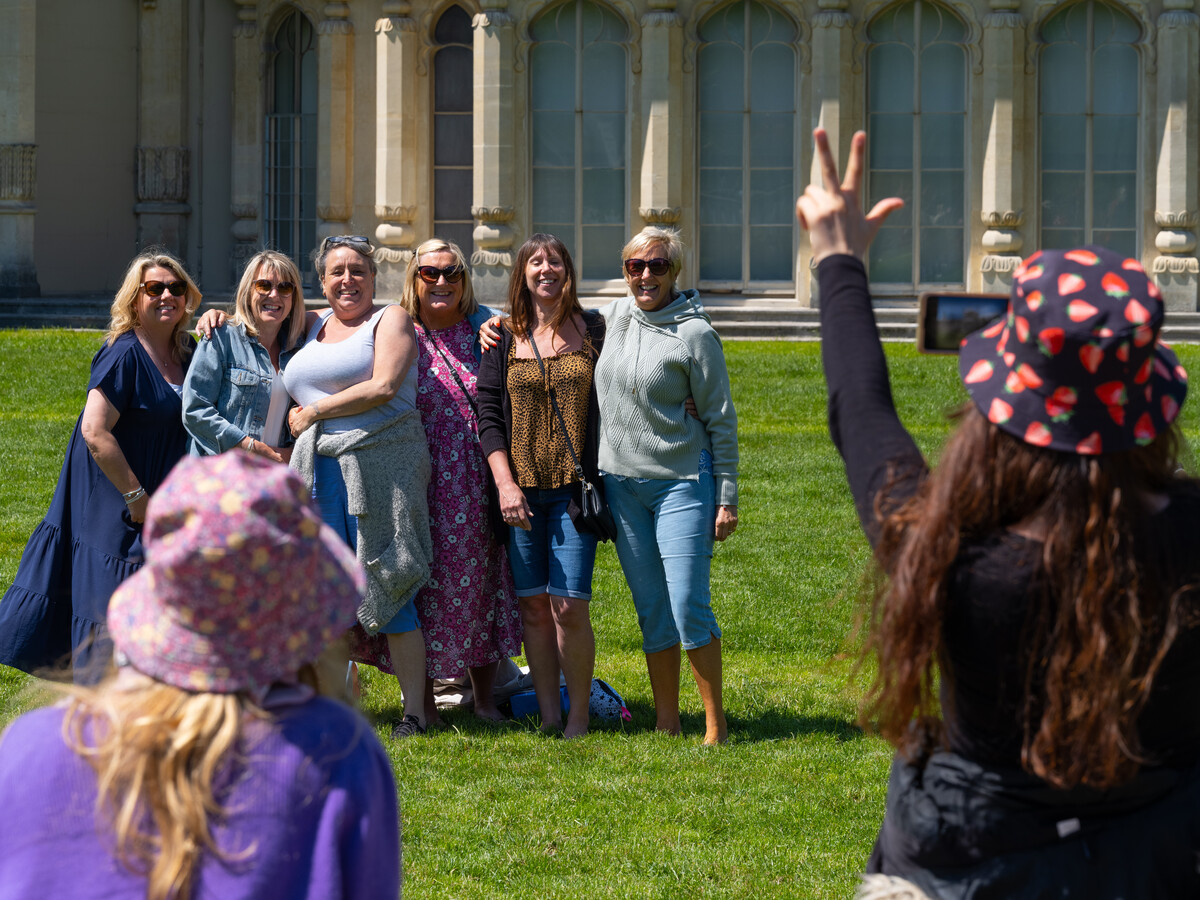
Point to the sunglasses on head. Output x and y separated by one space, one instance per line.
430 274
264 287
657 266
352 239
156 288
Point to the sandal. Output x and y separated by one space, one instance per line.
410 725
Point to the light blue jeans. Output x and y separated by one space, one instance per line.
552 557
665 543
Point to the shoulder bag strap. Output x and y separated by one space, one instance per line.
554 403
453 371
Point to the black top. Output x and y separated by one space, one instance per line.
495 408
993 581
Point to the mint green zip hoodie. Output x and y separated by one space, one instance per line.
651 362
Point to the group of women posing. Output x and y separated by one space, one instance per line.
403 426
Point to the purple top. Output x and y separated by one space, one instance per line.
313 801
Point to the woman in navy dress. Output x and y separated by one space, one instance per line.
127 439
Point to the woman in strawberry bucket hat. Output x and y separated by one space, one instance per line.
206 766
1034 622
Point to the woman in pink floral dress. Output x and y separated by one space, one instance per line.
469 606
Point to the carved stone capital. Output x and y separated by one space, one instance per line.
244 211
18 172
1002 265
661 19
1175 265
832 18
162 174
402 214
392 256
400 8
493 18
1008 218
1175 241
394 23
1183 219
247 24
494 215
663 216
334 213
1004 19
491 258
337 19
1178 18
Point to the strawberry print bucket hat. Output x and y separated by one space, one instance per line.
1077 364
243 582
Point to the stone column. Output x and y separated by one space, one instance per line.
396 153
162 155
246 169
18 153
494 180
662 115
1176 271
335 120
833 93
1004 150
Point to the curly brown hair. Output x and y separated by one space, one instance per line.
1098 629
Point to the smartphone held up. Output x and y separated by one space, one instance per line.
944 318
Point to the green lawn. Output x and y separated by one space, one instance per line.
788 809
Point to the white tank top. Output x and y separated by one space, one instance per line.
320 370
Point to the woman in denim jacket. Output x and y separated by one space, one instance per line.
228 388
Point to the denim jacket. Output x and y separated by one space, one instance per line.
227 391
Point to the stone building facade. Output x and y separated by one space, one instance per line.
215 127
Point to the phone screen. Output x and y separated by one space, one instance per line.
944 319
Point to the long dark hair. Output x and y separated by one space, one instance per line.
1097 630
520 301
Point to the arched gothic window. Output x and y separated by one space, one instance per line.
1088 87
453 85
291 140
577 83
746 150
916 124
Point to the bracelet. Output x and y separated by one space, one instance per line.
134 496
250 447
316 409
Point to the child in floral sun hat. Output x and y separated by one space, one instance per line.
206 767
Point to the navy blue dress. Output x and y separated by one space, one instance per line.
87 544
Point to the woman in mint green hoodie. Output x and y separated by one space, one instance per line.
670 477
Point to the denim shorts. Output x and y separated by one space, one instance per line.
552 557
665 543
329 495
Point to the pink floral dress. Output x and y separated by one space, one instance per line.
468 608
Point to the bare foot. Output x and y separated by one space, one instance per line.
574 731
712 737
490 714
671 728
551 727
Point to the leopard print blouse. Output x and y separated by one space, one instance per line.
539 454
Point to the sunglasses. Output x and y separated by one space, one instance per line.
358 240
265 287
657 266
156 288
431 274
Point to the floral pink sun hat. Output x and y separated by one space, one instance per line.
243 582
1077 363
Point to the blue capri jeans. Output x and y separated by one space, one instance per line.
552 557
665 543
329 495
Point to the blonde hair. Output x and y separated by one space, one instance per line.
287 270
157 751
656 234
467 304
123 312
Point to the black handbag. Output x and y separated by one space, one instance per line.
587 507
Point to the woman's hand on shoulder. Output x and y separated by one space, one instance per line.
210 322
727 520
832 214
489 333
